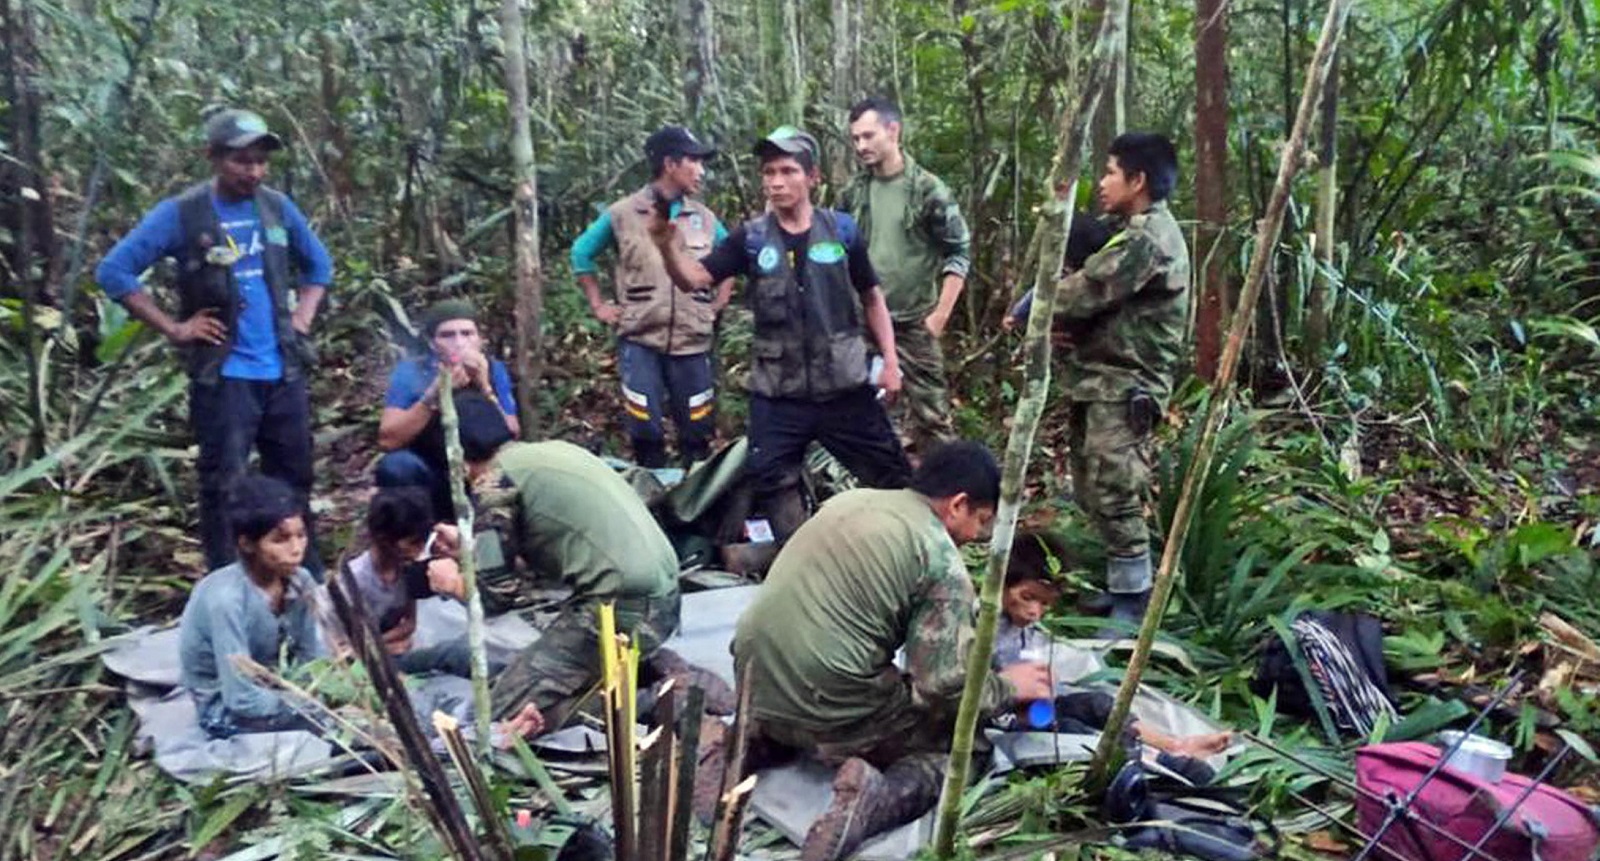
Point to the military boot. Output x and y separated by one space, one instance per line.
720 699
867 802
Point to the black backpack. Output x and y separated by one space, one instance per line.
1187 815
1343 656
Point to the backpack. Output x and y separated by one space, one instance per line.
1188 814
1547 824
1343 654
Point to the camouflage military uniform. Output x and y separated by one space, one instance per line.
1129 307
570 520
918 240
873 571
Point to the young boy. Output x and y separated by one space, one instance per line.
1030 590
392 575
259 607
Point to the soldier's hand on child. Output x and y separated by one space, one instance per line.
1031 681
203 327
446 540
444 578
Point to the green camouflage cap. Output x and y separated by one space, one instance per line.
237 129
789 141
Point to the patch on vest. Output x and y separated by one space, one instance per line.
826 252
277 236
695 222
767 260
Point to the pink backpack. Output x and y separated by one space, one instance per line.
1549 825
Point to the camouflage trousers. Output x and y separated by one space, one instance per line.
1110 465
915 744
559 671
922 413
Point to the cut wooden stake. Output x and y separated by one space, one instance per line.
730 820
688 756
725 831
655 812
493 821
1266 244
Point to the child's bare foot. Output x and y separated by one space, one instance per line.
1201 746
524 724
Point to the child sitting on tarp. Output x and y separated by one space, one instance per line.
392 575
1030 590
259 607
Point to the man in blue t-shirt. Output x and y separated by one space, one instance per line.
410 429
251 274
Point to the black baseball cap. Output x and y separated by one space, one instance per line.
677 141
236 129
789 141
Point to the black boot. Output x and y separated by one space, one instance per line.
1127 609
867 802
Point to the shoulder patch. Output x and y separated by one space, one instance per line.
767 260
277 236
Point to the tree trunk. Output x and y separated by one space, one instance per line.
845 87
796 74
23 187
1054 226
1222 392
1210 179
698 21
1318 306
525 205
340 154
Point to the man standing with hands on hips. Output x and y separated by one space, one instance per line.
251 275
664 335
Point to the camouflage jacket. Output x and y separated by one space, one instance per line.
570 521
873 572
1129 305
938 241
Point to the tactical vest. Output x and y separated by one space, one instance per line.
203 284
655 313
808 341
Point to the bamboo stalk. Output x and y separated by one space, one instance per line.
476 642
1055 224
1222 391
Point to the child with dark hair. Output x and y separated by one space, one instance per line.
260 607
392 575
1031 589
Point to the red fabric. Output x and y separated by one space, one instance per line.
1467 807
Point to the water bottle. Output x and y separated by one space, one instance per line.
1038 714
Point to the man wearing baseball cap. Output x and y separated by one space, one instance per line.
411 429
664 336
250 276
815 297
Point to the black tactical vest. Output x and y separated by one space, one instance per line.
205 284
808 342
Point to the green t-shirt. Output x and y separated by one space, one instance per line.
573 520
907 267
873 571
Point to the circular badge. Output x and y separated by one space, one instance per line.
767 259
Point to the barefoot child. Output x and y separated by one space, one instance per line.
259 607
1030 590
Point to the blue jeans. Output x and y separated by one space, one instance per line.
231 418
655 386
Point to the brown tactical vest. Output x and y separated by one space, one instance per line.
655 313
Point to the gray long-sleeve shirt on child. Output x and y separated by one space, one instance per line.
229 615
